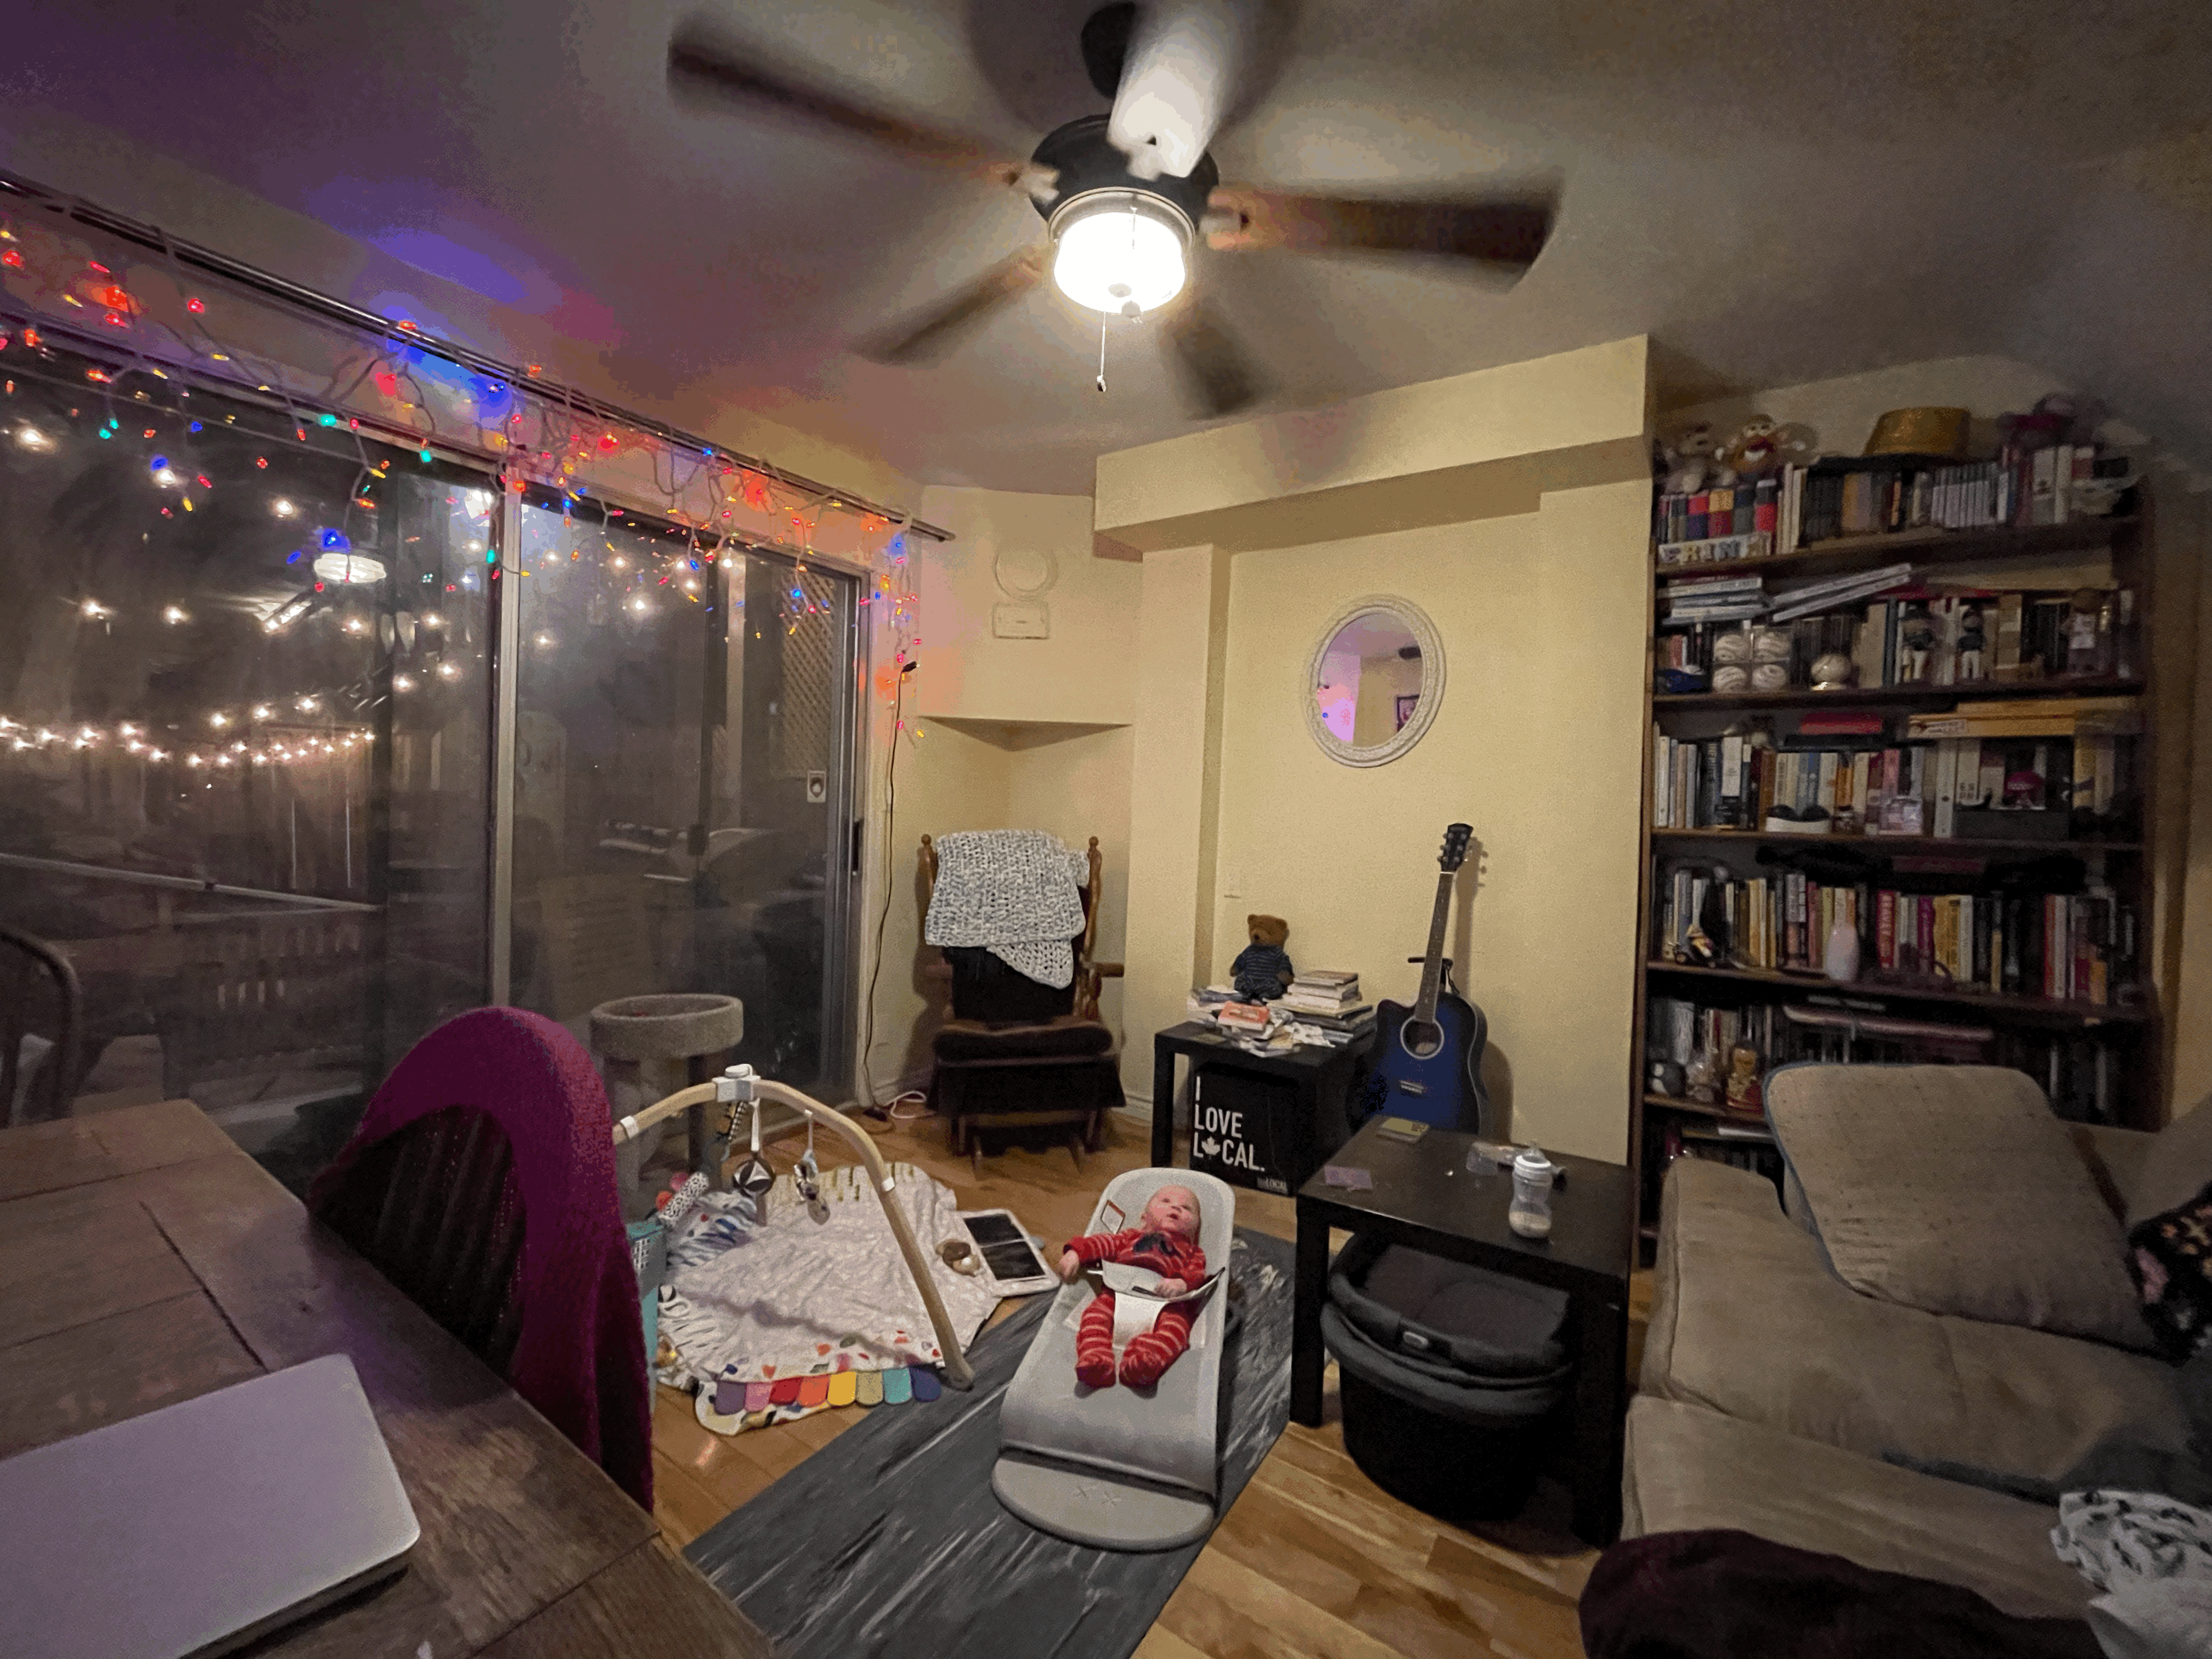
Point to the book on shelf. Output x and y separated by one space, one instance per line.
1918 635
1716 550
1879 495
1757 1155
2028 788
1743 513
2067 947
1796 602
1848 1022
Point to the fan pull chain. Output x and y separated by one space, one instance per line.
1102 350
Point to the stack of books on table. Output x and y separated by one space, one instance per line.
1328 999
1206 1001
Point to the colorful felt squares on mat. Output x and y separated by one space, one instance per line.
732 1407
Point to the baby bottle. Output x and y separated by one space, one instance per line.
1530 1212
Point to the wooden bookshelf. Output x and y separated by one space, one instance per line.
1994 1004
1895 696
1908 846
1698 1108
1844 556
2117 1042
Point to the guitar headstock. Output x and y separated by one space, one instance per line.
1454 852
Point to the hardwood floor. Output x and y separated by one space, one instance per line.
1314 1558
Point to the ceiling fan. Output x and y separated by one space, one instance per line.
1128 197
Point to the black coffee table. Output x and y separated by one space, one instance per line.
1425 1198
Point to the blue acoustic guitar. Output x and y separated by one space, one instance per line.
1427 1060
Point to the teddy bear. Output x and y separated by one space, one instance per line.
1262 969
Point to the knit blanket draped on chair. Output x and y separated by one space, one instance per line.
1015 892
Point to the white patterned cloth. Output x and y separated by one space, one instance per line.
1014 892
751 1298
2116 1538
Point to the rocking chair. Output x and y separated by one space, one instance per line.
1017 1055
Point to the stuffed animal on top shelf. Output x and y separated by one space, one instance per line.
1262 969
1688 460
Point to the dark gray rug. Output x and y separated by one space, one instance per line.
888 1540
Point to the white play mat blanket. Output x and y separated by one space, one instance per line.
790 1296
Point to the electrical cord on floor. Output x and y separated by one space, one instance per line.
868 1106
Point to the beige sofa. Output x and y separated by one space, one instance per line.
1771 1390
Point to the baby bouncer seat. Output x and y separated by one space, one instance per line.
1123 1469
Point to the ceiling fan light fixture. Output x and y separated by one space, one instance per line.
1119 252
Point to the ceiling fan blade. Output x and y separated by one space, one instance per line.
1218 377
1508 232
707 72
928 334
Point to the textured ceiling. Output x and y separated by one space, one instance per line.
1777 192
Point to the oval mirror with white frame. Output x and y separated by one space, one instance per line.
1374 681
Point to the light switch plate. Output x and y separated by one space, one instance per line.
1022 621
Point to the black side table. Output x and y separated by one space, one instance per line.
1322 1075
1425 1198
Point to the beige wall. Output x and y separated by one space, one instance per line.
947 780
1075 788
1175 796
1400 441
1083 674
2184 539
1029 734
1538 588
1536 743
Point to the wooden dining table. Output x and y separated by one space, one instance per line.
145 1259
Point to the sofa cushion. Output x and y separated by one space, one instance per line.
1747 1320
1690 1469
2176 1167
1953 1189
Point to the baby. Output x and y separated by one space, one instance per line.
1164 1239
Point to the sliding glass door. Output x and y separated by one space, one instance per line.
683 763
244 692
250 706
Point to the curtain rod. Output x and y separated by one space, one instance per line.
329 309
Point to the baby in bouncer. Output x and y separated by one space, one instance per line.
1165 1240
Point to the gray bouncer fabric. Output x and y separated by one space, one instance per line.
1121 1468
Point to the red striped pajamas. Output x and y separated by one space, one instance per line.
1150 1353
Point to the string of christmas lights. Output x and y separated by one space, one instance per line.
709 503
